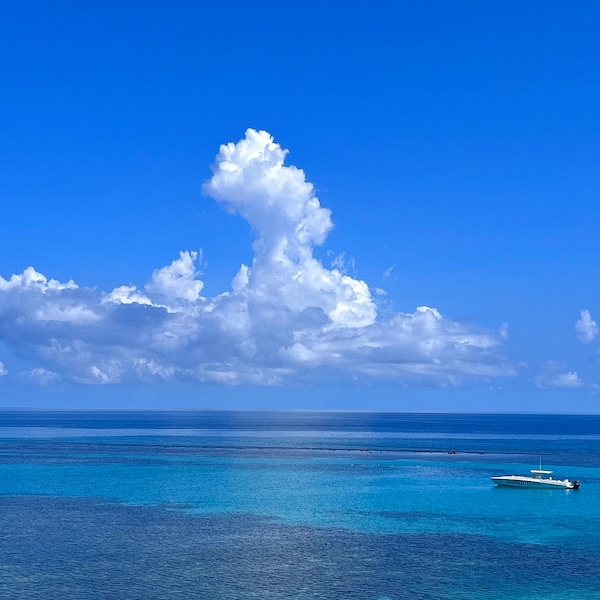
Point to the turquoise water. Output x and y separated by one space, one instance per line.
296 505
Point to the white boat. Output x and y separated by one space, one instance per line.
537 479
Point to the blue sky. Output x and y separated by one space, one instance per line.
429 242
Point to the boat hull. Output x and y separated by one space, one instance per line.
532 482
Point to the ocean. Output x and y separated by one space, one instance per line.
295 505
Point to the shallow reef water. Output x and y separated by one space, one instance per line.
296 506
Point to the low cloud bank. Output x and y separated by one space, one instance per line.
286 318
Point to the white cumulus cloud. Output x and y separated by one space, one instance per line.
31 279
570 379
286 317
586 327
178 281
556 375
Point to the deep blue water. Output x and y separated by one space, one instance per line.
298 505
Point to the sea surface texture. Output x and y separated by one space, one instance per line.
295 505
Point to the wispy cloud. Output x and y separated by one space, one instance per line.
286 318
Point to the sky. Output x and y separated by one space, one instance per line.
302 205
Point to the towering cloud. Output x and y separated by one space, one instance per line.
251 180
286 317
